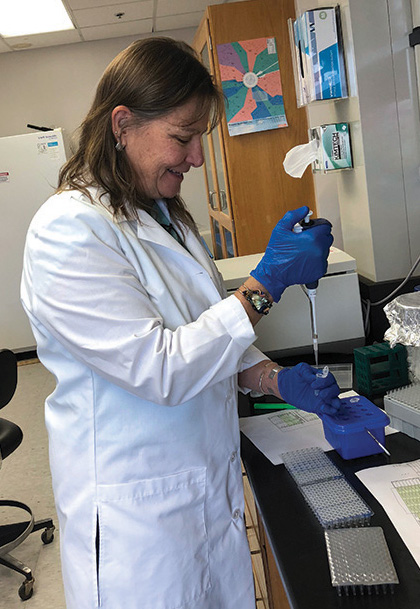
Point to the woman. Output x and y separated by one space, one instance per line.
131 318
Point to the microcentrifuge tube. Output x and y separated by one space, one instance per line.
322 375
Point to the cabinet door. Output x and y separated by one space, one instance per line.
258 190
277 598
219 202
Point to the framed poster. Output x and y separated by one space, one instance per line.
251 83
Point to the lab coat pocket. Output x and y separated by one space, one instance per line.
153 542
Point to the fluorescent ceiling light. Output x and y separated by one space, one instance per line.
25 17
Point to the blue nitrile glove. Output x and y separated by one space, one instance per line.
294 258
301 387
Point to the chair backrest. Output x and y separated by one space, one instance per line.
8 376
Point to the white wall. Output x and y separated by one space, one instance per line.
54 87
377 201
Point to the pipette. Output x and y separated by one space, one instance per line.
310 287
311 292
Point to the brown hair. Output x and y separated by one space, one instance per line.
151 77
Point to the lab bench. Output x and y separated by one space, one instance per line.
292 541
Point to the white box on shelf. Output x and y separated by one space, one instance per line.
318 56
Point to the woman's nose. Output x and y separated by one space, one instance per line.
195 155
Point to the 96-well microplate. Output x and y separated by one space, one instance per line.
309 465
360 561
336 504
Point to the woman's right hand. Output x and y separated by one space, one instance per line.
294 258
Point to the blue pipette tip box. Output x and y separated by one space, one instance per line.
346 430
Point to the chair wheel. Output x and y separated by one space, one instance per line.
26 589
47 536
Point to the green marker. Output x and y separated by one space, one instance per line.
264 406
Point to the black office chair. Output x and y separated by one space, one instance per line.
11 535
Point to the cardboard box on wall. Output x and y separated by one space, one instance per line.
334 147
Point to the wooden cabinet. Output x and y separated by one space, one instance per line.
254 540
269 591
248 189
276 595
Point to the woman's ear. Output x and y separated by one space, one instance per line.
120 116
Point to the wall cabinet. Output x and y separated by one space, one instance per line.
248 189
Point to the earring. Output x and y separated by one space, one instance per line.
118 146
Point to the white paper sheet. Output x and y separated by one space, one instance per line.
397 488
279 432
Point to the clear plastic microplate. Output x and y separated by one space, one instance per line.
336 504
360 561
309 465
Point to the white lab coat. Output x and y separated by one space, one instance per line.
143 429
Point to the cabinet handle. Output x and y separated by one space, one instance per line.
212 193
223 200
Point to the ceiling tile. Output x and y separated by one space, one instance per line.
177 22
43 40
128 28
176 7
3 46
104 15
81 4
95 20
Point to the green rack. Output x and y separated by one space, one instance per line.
380 367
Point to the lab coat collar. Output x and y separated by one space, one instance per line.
148 229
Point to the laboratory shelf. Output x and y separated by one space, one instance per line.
297 539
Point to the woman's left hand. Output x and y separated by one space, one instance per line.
301 387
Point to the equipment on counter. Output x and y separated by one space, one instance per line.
29 168
403 407
286 330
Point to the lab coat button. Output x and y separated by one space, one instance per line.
236 514
233 456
